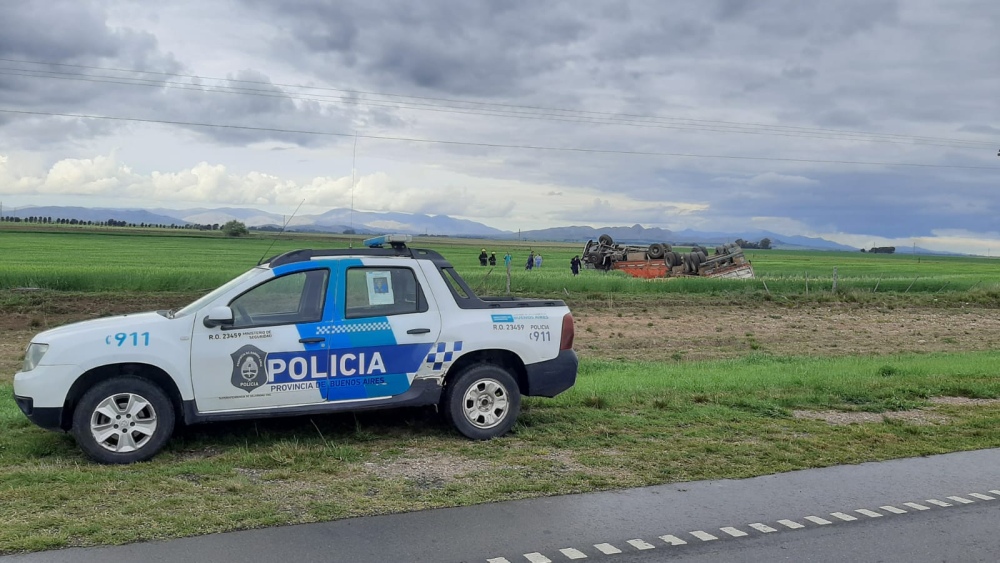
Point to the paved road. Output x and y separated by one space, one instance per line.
951 504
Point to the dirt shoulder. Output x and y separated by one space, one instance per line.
668 332
700 332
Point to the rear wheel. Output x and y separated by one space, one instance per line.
483 402
656 250
605 240
123 420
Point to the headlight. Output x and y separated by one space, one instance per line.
33 355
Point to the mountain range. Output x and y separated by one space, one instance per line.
368 222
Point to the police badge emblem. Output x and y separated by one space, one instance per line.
249 371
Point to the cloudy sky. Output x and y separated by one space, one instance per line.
868 122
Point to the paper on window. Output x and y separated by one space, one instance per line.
379 288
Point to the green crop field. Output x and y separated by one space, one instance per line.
164 261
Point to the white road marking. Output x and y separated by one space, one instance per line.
571 553
703 536
842 516
639 544
818 520
672 540
607 548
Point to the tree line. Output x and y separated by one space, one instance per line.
763 244
232 228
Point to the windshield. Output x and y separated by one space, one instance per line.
215 294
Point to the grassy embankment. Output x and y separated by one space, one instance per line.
623 424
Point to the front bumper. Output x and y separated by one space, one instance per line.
551 377
49 418
41 393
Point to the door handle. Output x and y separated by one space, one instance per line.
418 331
314 340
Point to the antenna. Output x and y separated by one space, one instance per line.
354 160
275 239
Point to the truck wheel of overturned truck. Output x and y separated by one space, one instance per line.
655 251
695 261
123 420
605 240
483 402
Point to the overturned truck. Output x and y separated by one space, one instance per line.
660 260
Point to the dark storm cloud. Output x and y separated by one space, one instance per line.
261 105
76 33
456 47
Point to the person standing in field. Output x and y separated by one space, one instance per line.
506 260
493 258
482 257
538 260
574 265
531 261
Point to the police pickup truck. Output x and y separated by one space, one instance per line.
306 332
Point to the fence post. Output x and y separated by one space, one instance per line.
807 283
508 279
834 290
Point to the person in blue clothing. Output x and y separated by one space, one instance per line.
531 261
574 265
507 259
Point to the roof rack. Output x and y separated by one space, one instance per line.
398 250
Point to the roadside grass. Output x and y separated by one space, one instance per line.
622 425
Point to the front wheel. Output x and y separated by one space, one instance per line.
483 402
123 420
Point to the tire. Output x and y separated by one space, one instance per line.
483 402
695 262
666 246
147 408
655 251
605 240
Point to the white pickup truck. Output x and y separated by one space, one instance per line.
306 332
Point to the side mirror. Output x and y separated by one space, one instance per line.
219 316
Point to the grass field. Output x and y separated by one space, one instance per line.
153 261
626 422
